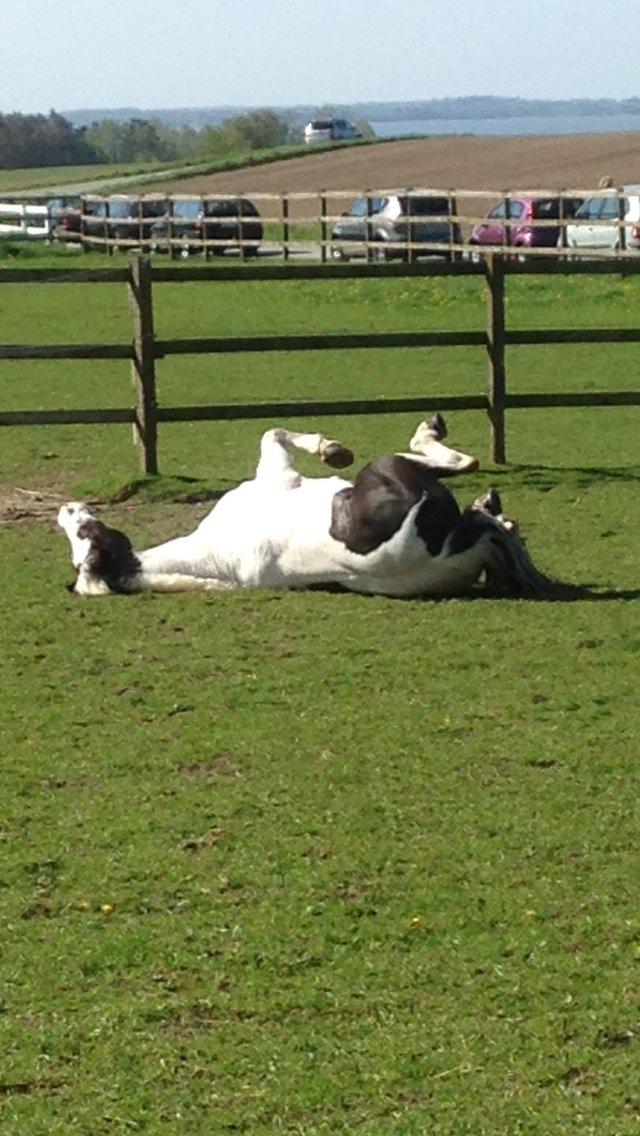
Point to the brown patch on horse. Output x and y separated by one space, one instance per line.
111 557
366 515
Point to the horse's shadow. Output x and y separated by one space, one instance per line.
567 593
544 477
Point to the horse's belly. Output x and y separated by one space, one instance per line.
273 539
403 566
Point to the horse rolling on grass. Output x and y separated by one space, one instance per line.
396 530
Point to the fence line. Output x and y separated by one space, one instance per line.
173 224
20 219
146 348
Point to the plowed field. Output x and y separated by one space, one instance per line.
575 161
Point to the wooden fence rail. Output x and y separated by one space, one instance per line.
145 348
461 222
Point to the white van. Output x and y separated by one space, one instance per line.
330 130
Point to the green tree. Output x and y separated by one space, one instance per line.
30 140
262 129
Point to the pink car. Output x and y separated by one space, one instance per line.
521 229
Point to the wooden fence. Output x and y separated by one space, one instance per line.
381 224
146 348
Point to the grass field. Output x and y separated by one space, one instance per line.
143 174
18 180
310 863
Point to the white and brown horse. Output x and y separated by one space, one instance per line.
396 530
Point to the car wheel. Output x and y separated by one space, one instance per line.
251 251
185 252
475 256
336 253
378 255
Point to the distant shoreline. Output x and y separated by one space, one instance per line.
472 110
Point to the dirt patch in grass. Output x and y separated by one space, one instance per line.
18 504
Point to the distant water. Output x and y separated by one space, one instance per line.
542 124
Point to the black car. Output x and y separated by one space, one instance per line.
190 224
124 222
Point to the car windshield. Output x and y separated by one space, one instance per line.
364 207
321 124
123 208
590 208
190 210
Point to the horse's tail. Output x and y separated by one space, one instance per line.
511 571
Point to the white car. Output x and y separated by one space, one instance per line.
330 130
595 225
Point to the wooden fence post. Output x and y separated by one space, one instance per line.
495 347
143 367
323 228
285 226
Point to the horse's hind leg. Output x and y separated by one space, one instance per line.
491 504
277 447
427 448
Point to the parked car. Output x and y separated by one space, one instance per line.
191 221
596 221
330 130
125 221
525 213
65 217
394 220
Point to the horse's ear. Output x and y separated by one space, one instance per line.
437 426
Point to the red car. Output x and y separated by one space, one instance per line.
65 214
521 229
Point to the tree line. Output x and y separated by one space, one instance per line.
30 140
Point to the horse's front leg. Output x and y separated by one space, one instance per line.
277 447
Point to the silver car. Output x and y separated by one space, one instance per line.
596 225
393 222
330 130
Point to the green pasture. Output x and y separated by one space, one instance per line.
41 176
309 863
146 173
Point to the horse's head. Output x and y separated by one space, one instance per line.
72 515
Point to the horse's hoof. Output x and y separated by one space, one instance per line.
490 503
337 456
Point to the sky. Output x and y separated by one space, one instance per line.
183 53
